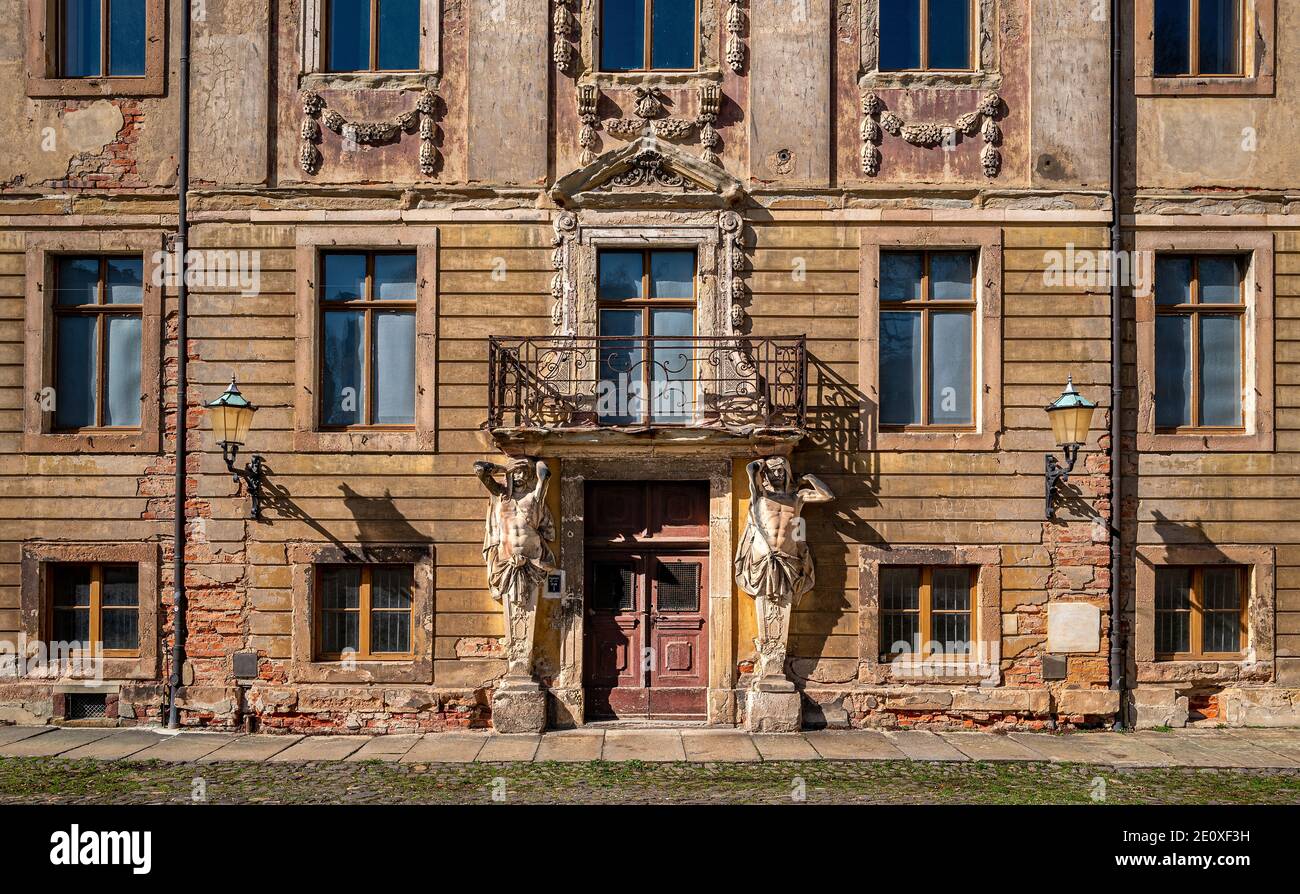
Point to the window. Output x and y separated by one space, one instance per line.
925 611
372 35
98 320
364 611
925 35
368 346
646 302
1200 313
647 35
100 38
97 605
1200 612
1195 38
927 338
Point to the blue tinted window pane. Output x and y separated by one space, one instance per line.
622 35
399 35
900 368
1173 35
951 273
78 281
900 275
395 277
122 371
74 384
1173 279
343 398
620 275
126 38
1173 371
1219 279
1218 37
673 372
950 368
672 274
672 38
349 35
80 25
900 34
125 281
619 399
344 277
394 365
1221 370
949 38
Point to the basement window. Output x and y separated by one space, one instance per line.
96 608
364 612
1200 612
85 706
926 611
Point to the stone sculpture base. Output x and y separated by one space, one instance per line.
519 707
768 711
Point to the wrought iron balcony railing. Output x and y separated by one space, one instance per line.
726 382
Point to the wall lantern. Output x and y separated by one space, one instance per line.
232 416
1071 416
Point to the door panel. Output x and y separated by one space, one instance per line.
615 627
679 674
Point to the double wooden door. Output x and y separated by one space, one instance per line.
647 601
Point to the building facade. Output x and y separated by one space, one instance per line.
627 257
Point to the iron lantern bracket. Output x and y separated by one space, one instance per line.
254 474
1057 472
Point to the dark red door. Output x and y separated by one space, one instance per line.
647 600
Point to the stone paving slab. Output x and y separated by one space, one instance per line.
116 747
721 746
650 745
385 748
784 747
990 747
1285 742
922 745
251 748
185 747
853 745
1113 749
571 746
320 748
508 748
1216 750
10 734
445 748
55 742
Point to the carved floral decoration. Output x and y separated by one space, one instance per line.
877 121
316 115
564 28
650 117
735 50
732 228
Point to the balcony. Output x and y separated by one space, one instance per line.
701 390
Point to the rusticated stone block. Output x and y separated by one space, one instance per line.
1087 701
1033 701
519 710
773 712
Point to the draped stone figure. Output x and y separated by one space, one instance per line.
773 562
519 524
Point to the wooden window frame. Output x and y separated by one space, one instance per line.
45 59
647 45
43 250
105 58
368 304
1194 309
986 361
96 607
311 242
313 23
927 306
36 607
1256 54
364 612
1194 43
924 43
1197 612
1257 431
100 310
926 611
373 68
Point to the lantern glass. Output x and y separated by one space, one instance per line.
1070 424
232 416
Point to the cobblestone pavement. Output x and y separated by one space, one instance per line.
43 765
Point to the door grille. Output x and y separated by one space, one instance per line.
613 586
679 586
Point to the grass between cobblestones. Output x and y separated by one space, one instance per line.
47 781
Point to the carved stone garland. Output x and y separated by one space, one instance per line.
735 49
563 28
876 121
316 115
649 115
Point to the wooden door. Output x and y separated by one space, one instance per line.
679 647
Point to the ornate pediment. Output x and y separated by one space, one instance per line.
647 171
